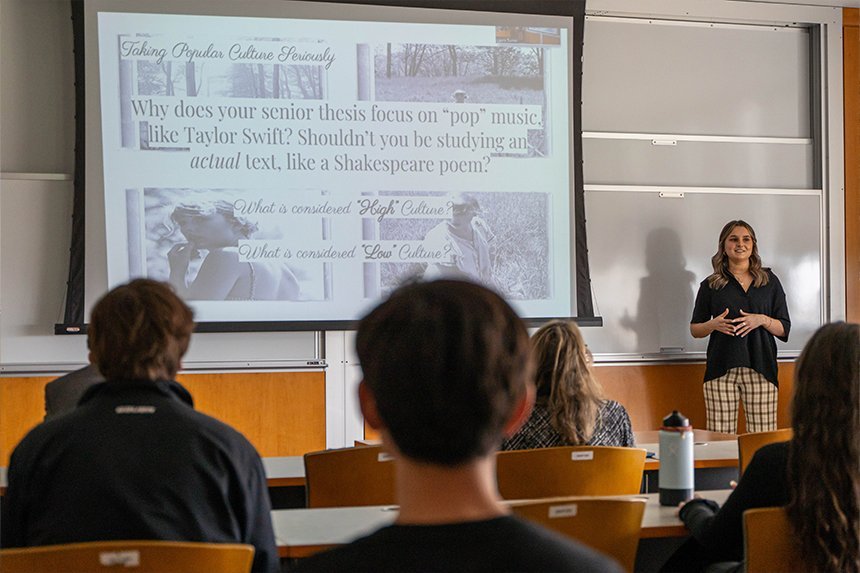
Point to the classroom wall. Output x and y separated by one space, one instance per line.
283 413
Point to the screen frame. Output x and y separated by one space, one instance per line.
74 321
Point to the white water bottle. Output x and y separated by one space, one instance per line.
676 459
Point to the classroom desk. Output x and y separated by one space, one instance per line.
287 471
641 437
303 532
715 460
705 455
713 451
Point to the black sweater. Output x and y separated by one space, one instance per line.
764 484
135 461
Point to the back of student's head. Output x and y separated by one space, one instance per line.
564 380
447 363
824 455
139 330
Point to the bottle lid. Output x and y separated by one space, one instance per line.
676 421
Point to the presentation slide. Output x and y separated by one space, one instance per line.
300 166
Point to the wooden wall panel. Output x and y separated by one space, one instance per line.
22 407
851 63
650 392
281 413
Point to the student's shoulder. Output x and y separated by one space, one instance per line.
771 455
363 554
545 550
506 543
611 406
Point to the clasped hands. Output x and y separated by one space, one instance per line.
740 326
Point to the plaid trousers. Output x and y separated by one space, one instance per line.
759 398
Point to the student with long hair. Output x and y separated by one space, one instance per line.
741 307
570 409
816 474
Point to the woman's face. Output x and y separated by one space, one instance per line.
208 231
739 244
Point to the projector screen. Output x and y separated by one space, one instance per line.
290 163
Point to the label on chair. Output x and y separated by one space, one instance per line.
120 558
581 456
567 510
383 457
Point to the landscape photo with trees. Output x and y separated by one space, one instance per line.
465 74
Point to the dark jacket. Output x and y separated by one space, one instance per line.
63 394
718 532
135 461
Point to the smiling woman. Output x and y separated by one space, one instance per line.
742 307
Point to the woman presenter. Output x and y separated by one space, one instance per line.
741 306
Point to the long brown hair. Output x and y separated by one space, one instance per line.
565 381
721 275
824 455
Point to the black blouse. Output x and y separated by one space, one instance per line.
756 350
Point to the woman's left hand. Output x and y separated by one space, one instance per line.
748 322
683 503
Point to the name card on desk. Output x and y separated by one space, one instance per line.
120 558
567 510
582 456
384 457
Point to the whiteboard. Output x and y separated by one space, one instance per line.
648 255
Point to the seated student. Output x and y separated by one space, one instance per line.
63 394
570 409
134 460
816 474
446 374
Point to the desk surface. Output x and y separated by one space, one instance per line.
303 532
721 454
285 471
712 450
653 436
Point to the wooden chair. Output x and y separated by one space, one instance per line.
349 477
769 545
570 470
748 444
610 526
132 556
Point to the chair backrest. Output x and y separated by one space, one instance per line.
610 526
349 476
130 556
748 444
769 545
570 470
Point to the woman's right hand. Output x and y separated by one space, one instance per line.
180 254
722 324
